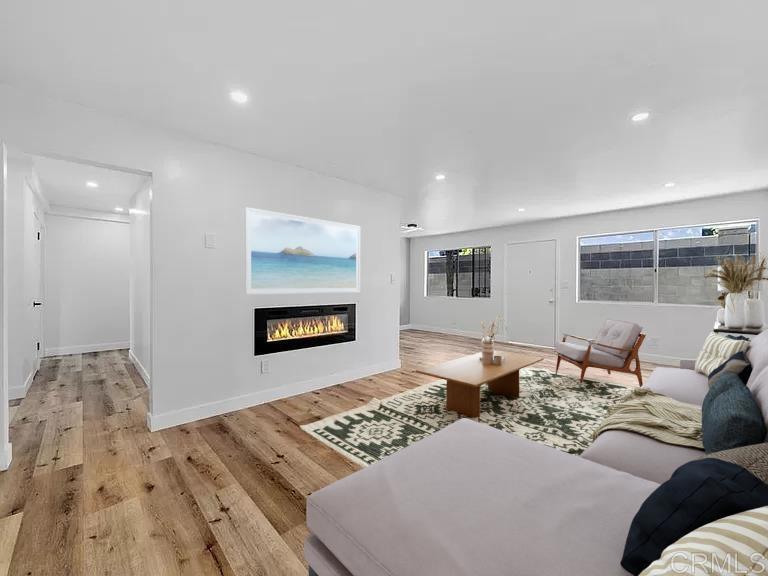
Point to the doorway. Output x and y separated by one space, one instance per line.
530 282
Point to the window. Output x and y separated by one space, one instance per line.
460 273
667 266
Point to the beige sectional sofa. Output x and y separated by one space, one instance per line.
472 500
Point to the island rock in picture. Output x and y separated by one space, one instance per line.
288 253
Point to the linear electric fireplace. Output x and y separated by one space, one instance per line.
295 327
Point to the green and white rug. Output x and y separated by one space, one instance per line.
558 411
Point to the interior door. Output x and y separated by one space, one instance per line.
530 281
36 289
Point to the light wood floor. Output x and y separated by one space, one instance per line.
91 491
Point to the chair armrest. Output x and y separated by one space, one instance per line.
614 347
565 336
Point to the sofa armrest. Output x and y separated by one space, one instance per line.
688 364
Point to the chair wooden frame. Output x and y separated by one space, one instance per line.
586 363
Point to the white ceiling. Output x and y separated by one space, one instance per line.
520 104
63 183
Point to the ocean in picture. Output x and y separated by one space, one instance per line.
277 271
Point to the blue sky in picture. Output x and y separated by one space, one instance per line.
272 232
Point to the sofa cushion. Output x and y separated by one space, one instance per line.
759 390
639 455
578 351
704 551
617 334
730 416
753 458
716 350
736 364
680 384
471 499
697 493
758 353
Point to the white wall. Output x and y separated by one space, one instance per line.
23 206
674 332
86 272
405 296
202 358
5 446
140 283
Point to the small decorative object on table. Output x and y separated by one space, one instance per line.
489 336
737 276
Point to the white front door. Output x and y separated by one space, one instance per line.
530 279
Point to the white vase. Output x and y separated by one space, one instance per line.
753 312
487 350
734 309
720 317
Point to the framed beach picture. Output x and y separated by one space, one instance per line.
290 254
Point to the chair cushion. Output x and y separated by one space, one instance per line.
618 334
716 350
736 364
577 351
679 383
730 416
697 493
471 499
704 552
758 354
639 455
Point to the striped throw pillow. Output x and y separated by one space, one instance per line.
717 349
733 545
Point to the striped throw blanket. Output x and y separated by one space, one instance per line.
656 416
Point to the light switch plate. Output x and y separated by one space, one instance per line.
210 240
265 367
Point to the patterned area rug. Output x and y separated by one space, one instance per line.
558 411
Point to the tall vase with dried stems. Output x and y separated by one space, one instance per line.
738 276
488 340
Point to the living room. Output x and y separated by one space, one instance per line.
432 288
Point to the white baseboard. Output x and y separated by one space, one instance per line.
6 455
201 411
655 358
16 392
406 327
139 367
86 348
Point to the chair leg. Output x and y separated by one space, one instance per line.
639 372
609 371
583 371
557 366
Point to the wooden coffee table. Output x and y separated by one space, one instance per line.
466 375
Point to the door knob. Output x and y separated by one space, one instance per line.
551 300
36 304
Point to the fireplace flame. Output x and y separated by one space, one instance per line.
293 328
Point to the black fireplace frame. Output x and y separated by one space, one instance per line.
260 316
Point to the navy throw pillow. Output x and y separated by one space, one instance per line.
737 364
730 417
698 493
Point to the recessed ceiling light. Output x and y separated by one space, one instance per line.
119 209
669 185
238 97
411 227
439 177
521 209
640 117
92 184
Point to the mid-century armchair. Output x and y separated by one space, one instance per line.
615 348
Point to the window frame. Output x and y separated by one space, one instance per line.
655 231
487 246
